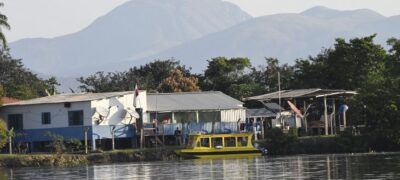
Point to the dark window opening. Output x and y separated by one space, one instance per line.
230 142
46 118
205 142
75 118
15 121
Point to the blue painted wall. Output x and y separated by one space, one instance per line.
33 135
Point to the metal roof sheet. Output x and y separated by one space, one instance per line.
261 112
72 97
273 106
190 101
301 93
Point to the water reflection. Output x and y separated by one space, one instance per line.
357 166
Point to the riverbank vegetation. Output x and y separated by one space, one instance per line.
279 143
66 160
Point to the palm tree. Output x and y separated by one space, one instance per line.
3 24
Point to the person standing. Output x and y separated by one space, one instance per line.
178 136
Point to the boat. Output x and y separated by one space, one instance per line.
219 145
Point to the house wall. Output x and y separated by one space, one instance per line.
233 115
32 114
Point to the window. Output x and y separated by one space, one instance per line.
229 142
205 142
15 121
184 117
242 141
209 116
75 118
217 142
46 118
161 116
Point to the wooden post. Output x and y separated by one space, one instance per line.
305 117
344 119
10 144
197 116
326 116
86 140
263 128
113 140
334 116
141 138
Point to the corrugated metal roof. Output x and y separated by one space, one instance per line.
209 100
301 93
273 106
261 112
73 97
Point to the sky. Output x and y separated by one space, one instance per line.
52 18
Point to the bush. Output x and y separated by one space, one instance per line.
276 142
73 145
3 133
57 142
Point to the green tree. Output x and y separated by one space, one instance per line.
105 82
178 82
3 24
221 73
349 65
17 81
148 76
381 98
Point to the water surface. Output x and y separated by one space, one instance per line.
333 166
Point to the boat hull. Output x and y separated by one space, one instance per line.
219 154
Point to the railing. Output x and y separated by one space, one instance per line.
187 128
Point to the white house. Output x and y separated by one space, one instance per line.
104 115
71 114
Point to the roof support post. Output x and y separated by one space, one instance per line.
197 116
326 116
334 116
305 116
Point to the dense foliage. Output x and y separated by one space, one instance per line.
178 82
19 82
148 76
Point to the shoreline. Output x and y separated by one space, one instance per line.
279 145
71 160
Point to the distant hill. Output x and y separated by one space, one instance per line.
136 29
285 36
194 31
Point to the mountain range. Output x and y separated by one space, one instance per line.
192 31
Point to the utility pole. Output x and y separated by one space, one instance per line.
279 97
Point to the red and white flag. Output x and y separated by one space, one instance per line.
135 95
294 108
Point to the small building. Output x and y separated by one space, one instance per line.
302 103
102 116
198 107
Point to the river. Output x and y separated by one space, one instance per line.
331 166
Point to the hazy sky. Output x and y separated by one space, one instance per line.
50 18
